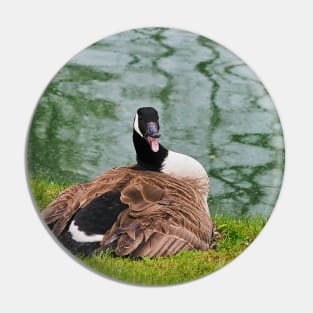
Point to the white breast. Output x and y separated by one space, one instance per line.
183 165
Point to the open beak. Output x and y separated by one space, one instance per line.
152 134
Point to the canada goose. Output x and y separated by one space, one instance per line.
157 207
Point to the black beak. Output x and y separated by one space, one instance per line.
153 130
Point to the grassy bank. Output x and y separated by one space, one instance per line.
235 235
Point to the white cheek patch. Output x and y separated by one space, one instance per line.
136 126
81 236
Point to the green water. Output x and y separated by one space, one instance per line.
211 105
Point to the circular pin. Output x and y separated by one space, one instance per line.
155 156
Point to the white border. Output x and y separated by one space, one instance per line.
273 38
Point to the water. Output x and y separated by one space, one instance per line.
211 106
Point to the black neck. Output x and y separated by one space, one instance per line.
146 157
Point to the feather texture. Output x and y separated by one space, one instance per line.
163 214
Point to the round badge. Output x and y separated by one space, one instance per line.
155 156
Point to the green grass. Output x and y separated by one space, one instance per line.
45 192
235 234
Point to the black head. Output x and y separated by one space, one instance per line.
146 124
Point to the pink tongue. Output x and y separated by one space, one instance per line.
154 144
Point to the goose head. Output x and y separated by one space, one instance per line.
146 124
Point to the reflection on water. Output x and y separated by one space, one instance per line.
212 107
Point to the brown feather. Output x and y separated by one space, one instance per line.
165 215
